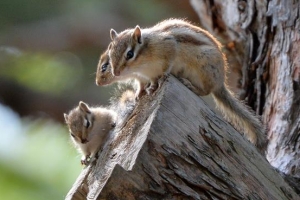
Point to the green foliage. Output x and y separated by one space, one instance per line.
16 11
147 9
37 161
43 72
15 186
42 164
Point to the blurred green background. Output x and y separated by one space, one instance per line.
49 51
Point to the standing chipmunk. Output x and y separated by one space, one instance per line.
188 52
104 75
90 127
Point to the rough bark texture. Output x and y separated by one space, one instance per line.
174 147
262 40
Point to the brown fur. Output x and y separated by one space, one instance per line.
187 51
89 139
106 77
187 39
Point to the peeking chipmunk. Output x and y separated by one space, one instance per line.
89 128
188 52
104 76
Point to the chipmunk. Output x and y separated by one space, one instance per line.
89 128
104 76
186 51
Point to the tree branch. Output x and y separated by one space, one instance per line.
174 147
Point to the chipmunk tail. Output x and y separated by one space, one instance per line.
123 101
240 116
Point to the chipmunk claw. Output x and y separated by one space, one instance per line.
85 160
159 83
151 89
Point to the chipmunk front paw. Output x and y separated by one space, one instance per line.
85 160
152 88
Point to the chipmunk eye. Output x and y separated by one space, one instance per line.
129 55
73 136
87 123
104 67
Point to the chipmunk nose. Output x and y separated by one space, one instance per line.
117 73
83 141
98 82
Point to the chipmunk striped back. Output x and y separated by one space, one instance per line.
188 52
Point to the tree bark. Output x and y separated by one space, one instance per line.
261 40
174 147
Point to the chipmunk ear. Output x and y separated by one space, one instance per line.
137 34
84 107
66 117
113 34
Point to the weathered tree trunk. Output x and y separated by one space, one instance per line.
174 147
262 42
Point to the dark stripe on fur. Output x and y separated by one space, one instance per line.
142 48
188 39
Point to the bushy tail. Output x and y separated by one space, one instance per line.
240 116
123 103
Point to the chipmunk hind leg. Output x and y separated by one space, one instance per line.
198 91
196 81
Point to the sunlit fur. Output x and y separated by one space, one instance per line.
188 52
143 66
89 140
106 77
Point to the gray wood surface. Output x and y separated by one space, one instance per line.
261 41
174 147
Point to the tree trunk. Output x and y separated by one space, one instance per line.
174 147
262 40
